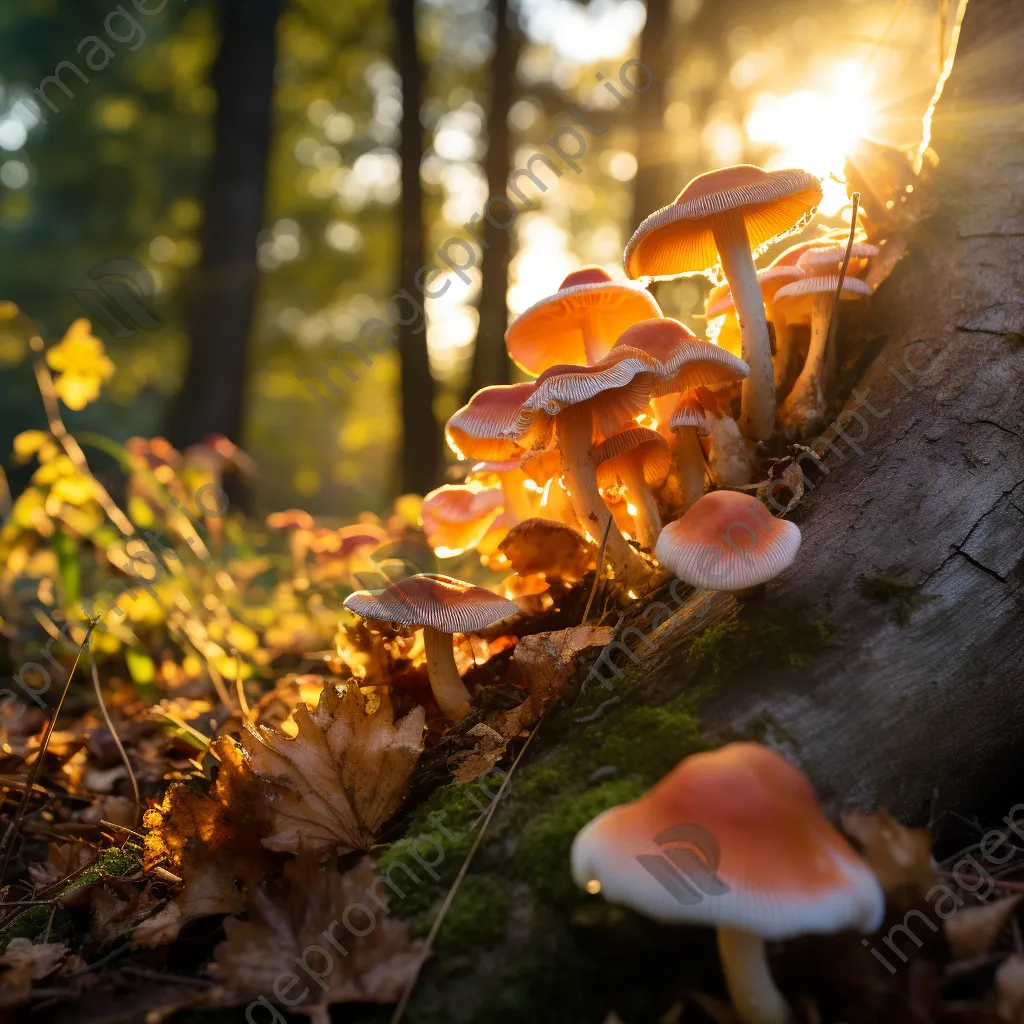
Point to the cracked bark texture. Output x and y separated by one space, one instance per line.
892 715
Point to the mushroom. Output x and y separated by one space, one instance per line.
689 422
548 548
640 459
300 527
579 323
701 549
582 404
810 300
442 606
732 838
512 479
478 429
721 216
456 517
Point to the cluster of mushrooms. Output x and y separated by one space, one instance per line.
627 419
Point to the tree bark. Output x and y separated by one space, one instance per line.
220 296
491 364
655 157
929 480
421 448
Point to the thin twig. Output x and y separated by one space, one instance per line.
450 898
598 568
117 739
7 844
833 320
243 704
974 880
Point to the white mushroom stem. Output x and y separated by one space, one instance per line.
783 347
755 997
758 394
593 339
647 517
449 690
689 465
574 432
805 405
517 500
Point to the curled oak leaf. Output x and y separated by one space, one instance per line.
344 774
297 947
224 825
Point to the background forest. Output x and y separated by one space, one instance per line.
249 155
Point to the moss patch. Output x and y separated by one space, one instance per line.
475 921
790 641
887 587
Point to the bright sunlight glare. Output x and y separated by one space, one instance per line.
814 129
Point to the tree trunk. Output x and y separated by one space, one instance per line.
926 486
491 364
220 296
420 437
655 156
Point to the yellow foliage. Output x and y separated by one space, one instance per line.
82 365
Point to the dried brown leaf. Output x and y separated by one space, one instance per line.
548 661
1010 990
116 914
899 856
297 921
63 861
973 931
225 824
343 775
161 929
27 963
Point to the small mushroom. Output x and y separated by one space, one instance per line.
579 323
442 606
728 541
515 484
640 459
478 429
732 838
689 422
581 404
549 548
722 217
810 300
456 517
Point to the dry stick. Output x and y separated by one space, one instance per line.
833 320
243 704
450 898
598 568
7 844
113 732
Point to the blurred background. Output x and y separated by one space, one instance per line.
277 170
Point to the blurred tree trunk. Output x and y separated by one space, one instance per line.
220 296
491 364
655 164
420 436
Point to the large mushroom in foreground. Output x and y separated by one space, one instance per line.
722 217
442 606
735 839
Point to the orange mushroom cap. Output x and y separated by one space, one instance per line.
551 331
733 837
618 388
291 519
456 517
477 430
728 541
430 599
549 548
689 412
647 449
678 239
682 362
